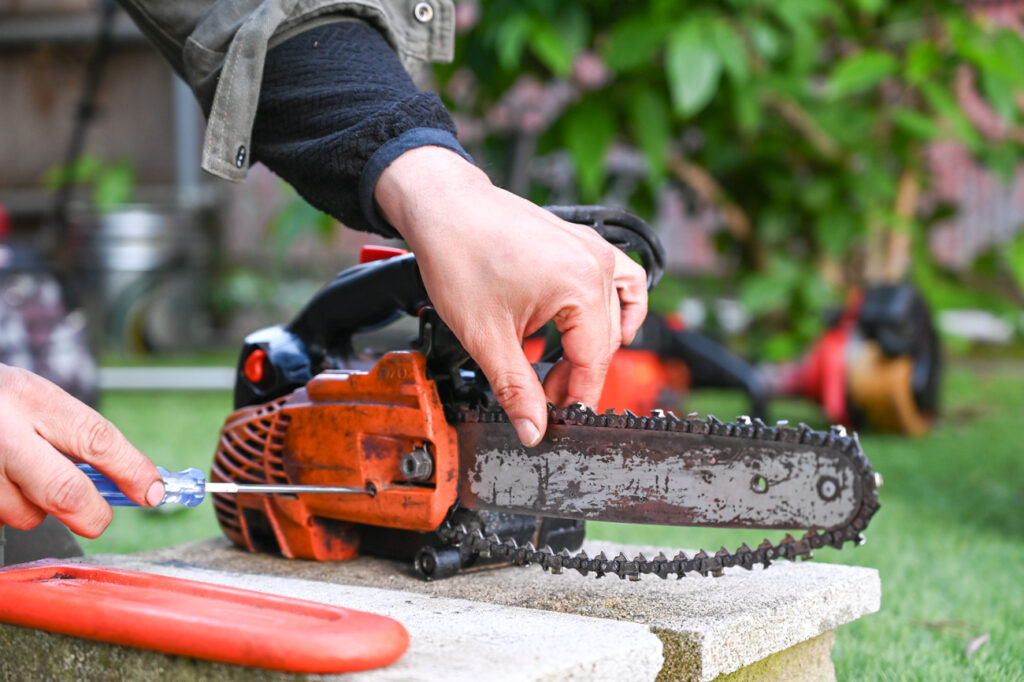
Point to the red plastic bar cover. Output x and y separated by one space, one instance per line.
201 620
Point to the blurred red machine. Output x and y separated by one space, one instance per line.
878 366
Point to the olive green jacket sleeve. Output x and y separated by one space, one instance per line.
218 48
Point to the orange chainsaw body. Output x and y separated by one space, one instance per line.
304 417
344 428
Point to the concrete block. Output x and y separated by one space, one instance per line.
455 640
708 626
524 624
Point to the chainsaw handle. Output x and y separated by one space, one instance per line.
276 360
361 298
373 294
622 229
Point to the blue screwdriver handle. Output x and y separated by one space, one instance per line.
186 487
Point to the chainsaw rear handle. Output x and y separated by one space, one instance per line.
361 298
622 229
277 360
374 294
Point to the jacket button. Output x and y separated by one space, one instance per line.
423 12
240 156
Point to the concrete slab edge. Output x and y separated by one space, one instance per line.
730 648
456 639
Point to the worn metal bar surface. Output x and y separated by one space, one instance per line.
656 477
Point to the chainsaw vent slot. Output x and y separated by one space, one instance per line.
274 447
250 452
253 452
240 462
259 532
270 408
227 515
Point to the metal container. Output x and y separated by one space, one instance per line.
144 273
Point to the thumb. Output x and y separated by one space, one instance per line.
517 388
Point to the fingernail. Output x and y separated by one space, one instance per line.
527 432
156 493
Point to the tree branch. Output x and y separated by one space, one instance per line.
707 188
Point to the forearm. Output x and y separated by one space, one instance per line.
336 107
417 193
218 48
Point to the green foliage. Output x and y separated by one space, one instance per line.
589 131
693 67
650 124
860 72
1015 260
295 218
112 183
633 43
807 114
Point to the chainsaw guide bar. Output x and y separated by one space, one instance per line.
815 480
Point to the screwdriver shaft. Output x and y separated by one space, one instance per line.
229 488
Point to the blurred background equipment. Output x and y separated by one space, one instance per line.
108 193
146 272
878 366
37 332
664 362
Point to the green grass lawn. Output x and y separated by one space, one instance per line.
177 430
948 541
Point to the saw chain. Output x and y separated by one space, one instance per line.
680 564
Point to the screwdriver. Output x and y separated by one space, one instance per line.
189 487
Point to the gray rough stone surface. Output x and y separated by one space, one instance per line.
450 639
709 626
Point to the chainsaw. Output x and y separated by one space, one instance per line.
446 482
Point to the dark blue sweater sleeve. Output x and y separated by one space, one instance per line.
336 108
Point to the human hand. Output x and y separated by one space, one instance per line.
39 422
498 267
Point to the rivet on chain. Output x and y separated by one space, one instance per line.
423 12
